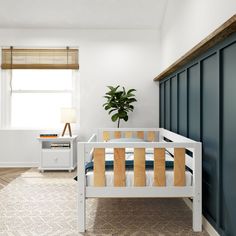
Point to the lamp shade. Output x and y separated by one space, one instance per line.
68 115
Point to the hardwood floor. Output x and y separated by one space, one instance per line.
9 174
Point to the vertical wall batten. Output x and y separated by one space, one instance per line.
201 100
164 100
182 103
174 104
228 205
218 167
194 102
187 100
162 105
203 106
167 104
210 135
170 104
177 77
221 94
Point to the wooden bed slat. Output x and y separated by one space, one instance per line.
179 167
128 134
99 167
140 134
159 167
139 167
117 134
119 167
106 135
151 136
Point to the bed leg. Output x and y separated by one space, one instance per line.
81 188
197 214
81 212
197 180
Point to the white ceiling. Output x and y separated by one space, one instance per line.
91 14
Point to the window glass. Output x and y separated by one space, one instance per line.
38 96
42 79
42 110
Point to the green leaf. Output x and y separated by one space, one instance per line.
131 90
126 118
130 95
111 111
118 94
132 100
122 114
107 107
115 117
110 87
117 87
113 89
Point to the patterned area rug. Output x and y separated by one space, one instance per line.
45 204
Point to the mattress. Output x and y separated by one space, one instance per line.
109 174
130 178
129 154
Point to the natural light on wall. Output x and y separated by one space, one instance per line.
38 96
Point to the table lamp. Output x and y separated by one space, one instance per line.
68 115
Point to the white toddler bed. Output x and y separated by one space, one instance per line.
139 163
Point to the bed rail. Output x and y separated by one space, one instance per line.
186 152
140 149
139 167
149 134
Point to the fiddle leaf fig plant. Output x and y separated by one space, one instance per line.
119 103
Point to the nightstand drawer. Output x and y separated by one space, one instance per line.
56 158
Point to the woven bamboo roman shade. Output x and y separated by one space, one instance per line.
13 58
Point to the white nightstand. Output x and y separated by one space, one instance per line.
58 158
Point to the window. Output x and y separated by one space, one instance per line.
37 97
35 84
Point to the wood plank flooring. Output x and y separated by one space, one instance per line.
9 174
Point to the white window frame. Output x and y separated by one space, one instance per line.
5 98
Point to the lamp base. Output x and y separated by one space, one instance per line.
64 130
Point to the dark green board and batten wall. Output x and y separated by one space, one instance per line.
199 101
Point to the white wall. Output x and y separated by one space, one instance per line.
187 22
107 57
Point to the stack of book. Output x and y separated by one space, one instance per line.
60 145
48 135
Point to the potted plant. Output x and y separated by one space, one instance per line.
119 103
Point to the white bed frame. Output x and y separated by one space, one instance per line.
178 141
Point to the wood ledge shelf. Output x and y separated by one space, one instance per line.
211 40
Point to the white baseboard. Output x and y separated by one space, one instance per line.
205 223
18 164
